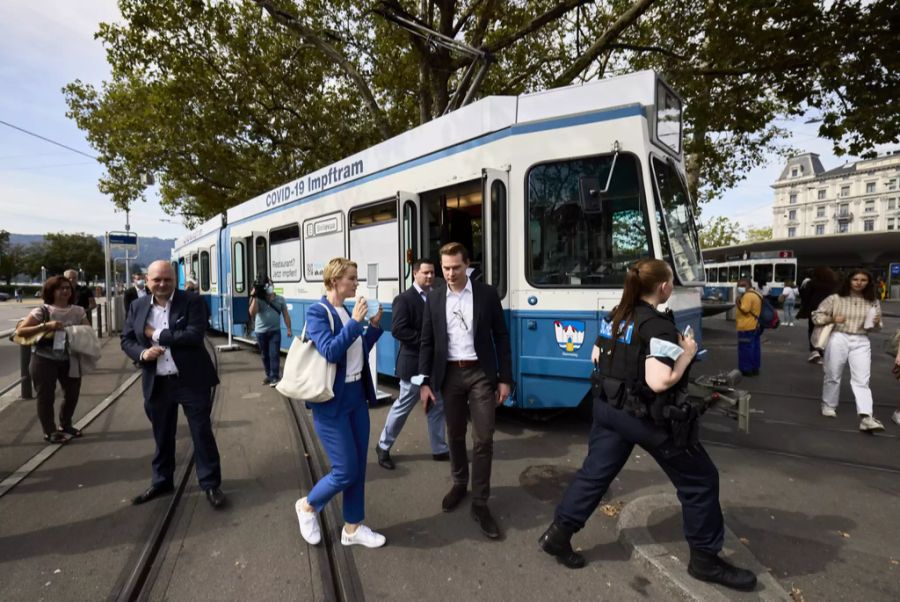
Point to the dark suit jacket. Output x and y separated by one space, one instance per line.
184 336
406 327
131 296
333 346
491 336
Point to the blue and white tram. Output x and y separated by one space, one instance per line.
769 272
553 193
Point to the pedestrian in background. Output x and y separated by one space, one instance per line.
18 295
267 310
165 336
789 299
406 327
136 291
342 423
895 417
190 285
50 361
822 284
83 295
854 311
748 307
644 363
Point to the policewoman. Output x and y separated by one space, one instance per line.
641 364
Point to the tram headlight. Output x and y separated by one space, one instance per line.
668 117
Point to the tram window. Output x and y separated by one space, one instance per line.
410 235
569 247
723 274
239 268
213 264
762 274
454 214
284 248
498 237
746 271
712 274
195 266
261 262
674 206
373 238
733 273
204 271
785 272
323 238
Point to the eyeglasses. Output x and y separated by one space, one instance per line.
458 312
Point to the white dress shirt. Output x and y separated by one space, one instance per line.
159 320
459 313
421 291
354 353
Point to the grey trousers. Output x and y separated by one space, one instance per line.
468 391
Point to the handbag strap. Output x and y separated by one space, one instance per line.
330 321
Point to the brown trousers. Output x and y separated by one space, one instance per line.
468 391
44 374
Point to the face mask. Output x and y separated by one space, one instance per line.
139 284
270 289
741 290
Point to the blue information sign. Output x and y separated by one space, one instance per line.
123 239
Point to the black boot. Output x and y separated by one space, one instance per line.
707 566
556 541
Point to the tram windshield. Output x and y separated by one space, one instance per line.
572 243
677 223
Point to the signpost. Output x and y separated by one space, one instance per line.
127 241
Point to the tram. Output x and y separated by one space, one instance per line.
768 270
554 194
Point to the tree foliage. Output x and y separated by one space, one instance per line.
757 234
60 252
225 100
719 231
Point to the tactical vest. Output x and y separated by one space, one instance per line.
618 378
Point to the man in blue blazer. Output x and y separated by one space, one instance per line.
164 335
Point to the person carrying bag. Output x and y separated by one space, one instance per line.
308 376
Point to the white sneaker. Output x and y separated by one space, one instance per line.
790 323
870 424
813 357
895 417
309 524
829 411
363 536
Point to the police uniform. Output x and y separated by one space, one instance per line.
627 412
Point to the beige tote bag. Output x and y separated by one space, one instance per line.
308 376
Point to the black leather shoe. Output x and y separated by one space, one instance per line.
216 497
486 522
453 497
153 491
444 457
706 566
384 458
557 541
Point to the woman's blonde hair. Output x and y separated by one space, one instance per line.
336 268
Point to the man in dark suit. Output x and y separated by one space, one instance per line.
406 326
465 356
164 334
137 290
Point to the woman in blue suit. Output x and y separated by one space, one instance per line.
343 422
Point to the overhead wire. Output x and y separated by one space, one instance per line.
45 139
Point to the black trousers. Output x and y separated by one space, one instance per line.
162 410
613 435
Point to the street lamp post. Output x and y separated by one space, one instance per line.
43 274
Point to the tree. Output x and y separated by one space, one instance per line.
60 252
758 234
719 232
226 100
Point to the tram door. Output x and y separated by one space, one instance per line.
240 282
409 211
260 253
494 227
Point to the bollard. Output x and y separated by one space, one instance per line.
99 309
25 360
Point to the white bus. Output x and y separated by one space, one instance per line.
553 193
767 270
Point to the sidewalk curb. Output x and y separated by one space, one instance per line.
636 538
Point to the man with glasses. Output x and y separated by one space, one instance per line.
465 357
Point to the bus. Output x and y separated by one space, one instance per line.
768 271
553 193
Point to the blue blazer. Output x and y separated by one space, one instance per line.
184 336
334 347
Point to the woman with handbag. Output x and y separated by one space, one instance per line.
50 356
822 284
853 311
342 423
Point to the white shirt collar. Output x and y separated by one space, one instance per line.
419 288
169 300
468 287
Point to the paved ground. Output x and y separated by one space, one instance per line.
813 499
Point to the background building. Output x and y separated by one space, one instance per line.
856 198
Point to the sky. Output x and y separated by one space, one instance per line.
45 44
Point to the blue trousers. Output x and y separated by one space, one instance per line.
345 438
749 350
399 412
614 434
788 311
270 349
162 410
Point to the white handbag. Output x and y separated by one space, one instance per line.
820 336
308 376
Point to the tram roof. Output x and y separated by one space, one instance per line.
866 249
484 117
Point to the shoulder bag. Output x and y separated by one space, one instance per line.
891 344
308 376
33 339
820 336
